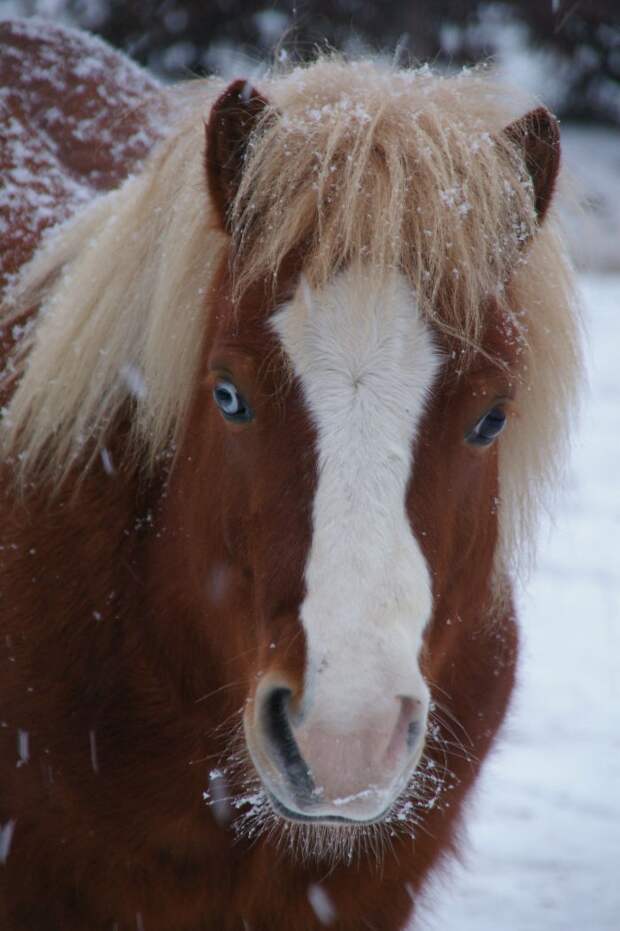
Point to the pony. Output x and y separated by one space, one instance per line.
289 372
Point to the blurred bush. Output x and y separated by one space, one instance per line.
570 47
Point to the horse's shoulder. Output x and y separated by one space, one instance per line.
75 118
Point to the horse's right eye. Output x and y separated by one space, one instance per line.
232 404
489 427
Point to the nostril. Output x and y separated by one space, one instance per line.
277 727
413 733
408 729
276 722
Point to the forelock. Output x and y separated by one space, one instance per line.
403 170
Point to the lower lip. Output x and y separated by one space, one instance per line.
290 815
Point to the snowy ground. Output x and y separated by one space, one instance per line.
591 214
544 827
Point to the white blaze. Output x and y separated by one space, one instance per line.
366 361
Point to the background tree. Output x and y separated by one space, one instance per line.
576 41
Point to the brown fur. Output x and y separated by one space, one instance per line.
140 608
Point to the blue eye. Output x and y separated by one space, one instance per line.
233 405
490 426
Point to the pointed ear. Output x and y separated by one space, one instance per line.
233 117
537 134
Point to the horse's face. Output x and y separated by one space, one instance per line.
352 489
333 386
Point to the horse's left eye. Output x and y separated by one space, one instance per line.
232 404
490 426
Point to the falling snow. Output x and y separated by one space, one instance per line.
94 761
23 747
134 381
106 461
6 839
321 904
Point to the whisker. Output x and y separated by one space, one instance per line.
452 717
222 688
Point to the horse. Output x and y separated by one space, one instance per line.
289 373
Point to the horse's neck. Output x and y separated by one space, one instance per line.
74 574
104 600
69 566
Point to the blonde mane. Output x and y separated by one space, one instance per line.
401 169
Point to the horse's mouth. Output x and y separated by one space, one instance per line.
306 818
346 789
293 795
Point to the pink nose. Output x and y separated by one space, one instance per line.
317 771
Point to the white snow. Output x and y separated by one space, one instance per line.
41 183
134 381
23 747
219 797
6 838
92 740
544 824
591 212
321 904
107 462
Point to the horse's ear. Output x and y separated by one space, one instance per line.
537 134
233 117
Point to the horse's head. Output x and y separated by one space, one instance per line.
340 475
316 406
